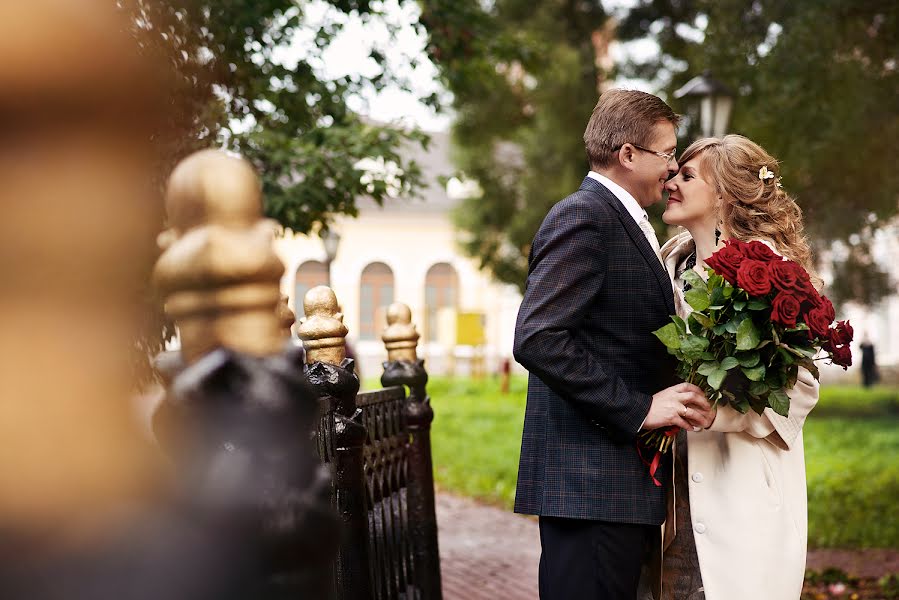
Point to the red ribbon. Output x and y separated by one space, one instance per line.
657 457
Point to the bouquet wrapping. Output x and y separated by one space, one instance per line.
755 322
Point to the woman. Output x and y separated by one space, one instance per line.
740 515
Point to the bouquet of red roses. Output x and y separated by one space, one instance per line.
755 321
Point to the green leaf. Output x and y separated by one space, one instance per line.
729 363
788 358
757 388
681 326
747 335
720 328
810 365
758 404
717 297
728 292
758 305
749 359
716 378
741 405
669 336
703 320
739 304
732 325
695 280
709 367
693 346
708 356
779 402
754 373
698 299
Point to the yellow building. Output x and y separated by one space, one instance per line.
406 251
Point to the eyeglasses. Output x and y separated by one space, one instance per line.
668 156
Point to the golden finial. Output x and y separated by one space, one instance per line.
322 329
400 337
218 271
286 317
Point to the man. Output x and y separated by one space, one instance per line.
596 291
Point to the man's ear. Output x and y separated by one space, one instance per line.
626 157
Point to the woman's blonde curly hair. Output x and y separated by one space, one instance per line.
753 208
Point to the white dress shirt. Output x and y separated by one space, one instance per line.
633 208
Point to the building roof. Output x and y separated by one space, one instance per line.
432 196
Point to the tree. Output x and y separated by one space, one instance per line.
524 83
816 86
236 87
816 83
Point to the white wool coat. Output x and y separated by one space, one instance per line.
747 488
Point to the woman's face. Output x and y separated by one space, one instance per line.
692 201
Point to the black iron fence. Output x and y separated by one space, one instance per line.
377 445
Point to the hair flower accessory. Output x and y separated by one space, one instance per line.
764 174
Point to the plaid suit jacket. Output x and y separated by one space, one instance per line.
595 293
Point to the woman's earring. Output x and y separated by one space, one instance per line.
717 233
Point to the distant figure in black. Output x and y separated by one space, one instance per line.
869 365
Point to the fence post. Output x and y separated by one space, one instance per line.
235 402
403 367
340 436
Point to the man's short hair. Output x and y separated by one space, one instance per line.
623 117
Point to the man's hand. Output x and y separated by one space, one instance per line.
683 405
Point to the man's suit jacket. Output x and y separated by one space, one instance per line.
595 293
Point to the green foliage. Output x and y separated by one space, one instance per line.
853 481
810 76
476 436
851 401
290 121
524 84
231 90
852 472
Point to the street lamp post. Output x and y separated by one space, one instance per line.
331 241
715 102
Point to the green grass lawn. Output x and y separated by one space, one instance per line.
851 443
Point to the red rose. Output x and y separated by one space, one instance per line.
752 276
841 334
842 355
818 322
785 309
727 260
827 306
757 250
788 276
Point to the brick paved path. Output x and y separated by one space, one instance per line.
487 553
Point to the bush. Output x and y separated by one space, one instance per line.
856 401
853 482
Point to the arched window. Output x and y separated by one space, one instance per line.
375 295
441 291
309 274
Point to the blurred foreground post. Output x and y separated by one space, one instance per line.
404 368
238 413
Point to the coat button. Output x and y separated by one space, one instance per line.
699 528
697 477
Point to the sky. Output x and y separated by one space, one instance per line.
350 49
